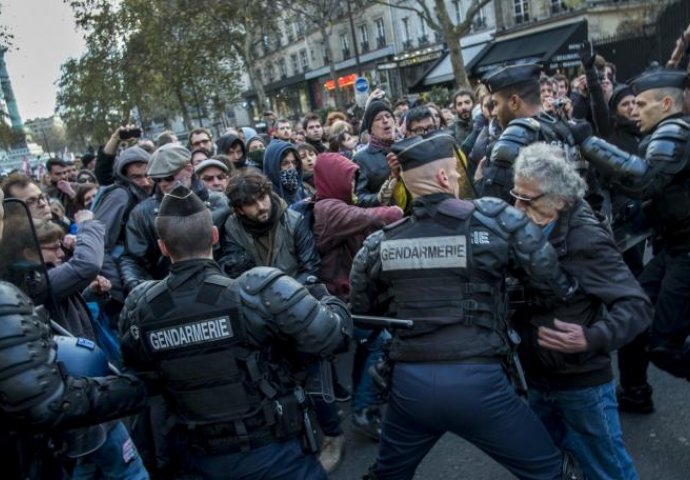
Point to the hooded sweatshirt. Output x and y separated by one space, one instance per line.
274 153
340 227
113 203
226 142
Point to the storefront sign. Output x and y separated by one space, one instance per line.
344 81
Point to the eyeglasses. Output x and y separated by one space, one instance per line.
422 130
209 178
382 116
52 248
31 201
168 179
524 199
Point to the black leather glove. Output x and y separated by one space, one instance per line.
587 55
581 131
317 289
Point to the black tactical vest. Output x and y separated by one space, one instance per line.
428 264
219 385
670 209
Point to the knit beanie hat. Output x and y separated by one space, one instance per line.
374 108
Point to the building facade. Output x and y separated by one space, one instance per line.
396 49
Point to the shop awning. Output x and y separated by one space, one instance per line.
443 71
554 48
351 62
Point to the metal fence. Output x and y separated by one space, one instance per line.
634 53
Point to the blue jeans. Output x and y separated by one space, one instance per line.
284 461
364 394
474 401
116 459
585 422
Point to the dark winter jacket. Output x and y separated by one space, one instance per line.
610 305
292 247
69 279
461 129
339 226
317 144
625 134
373 171
142 259
274 153
114 203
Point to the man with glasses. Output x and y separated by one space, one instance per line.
21 187
142 260
201 138
419 121
566 346
114 204
214 173
375 183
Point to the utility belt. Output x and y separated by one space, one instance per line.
279 420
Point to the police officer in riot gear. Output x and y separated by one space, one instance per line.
517 105
660 174
216 349
38 398
444 268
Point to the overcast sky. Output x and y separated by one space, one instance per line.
44 37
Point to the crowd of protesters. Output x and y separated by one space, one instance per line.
303 197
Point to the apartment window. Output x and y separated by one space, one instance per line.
283 68
344 41
345 44
406 29
305 59
364 34
270 72
521 11
422 26
479 19
295 64
558 6
260 75
380 33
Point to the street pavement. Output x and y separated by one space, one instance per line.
659 443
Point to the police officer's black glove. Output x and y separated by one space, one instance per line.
581 131
587 55
317 289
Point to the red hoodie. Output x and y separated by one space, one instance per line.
339 226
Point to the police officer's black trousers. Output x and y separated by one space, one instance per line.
475 401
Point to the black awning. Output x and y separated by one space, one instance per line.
554 48
285 82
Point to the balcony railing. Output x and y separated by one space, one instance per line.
380 42
346 53
423 40
478 23
523 18
407 44
364 46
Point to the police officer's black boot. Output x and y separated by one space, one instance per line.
637 399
